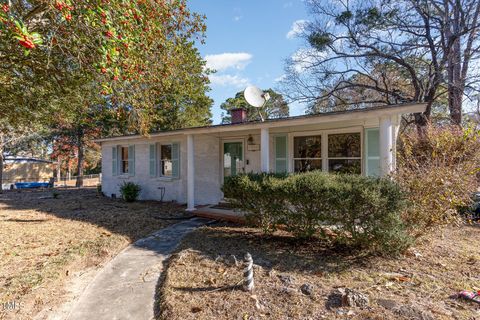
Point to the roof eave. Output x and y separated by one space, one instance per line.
291 121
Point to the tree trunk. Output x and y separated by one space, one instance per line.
454 72
2 147
455 97
455 85
59 170
1 168
81 161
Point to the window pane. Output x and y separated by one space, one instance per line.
373 167
124 153
124 160
166 152
166 168
307 147
307 165
345 145
373 143
345 166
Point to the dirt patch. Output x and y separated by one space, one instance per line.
46 239
310 281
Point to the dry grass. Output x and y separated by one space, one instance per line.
44 241
200 282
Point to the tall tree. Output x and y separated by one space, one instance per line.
430 44
80 119
276 107
132 50
134 58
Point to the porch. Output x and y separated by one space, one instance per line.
189 165
361 141
219 212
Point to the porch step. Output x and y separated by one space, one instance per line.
220 214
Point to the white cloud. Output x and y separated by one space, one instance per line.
225 80
288 4
297 28
280 78
224 61
237 18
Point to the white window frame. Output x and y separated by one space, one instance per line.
349 158
160 160
121 161
222 142
324 134
293 149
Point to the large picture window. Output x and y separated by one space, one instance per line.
344 153
307 153
166 167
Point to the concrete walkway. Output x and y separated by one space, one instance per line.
125 287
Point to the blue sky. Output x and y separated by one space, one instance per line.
247 43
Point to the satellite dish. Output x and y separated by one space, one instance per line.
255 96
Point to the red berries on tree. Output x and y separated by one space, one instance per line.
27 43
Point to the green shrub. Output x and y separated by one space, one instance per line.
259 195
369 212
130 191
362 211
309 202
438 170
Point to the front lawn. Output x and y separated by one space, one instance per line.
301 281
45 240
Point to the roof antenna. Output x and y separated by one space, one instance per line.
256 98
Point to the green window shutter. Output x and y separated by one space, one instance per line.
131 160
153 160
114 160
176 160
281 158
372 152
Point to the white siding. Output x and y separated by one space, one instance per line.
208 161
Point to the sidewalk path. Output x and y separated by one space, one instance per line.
125 288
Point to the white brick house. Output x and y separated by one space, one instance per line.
191 163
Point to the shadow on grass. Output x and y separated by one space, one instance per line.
209 289
133 220
26 220
223 246
281 252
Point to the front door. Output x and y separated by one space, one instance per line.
232 158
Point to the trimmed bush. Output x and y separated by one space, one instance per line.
363 212
130 191
260 195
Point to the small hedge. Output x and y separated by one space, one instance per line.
130 191
362 211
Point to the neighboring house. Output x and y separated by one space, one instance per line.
24 169
192 163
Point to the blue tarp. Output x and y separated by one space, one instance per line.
30 185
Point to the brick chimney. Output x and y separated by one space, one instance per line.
239 115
